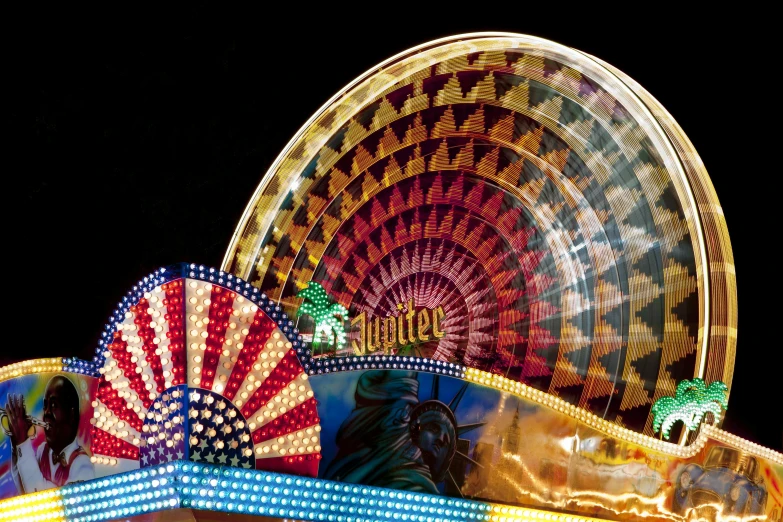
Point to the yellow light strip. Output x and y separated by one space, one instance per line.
743 444
47 505
52 364
556 403
502 513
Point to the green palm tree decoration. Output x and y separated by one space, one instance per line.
325 313
692 400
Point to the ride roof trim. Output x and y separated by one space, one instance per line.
56 364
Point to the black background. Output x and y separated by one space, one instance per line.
136 138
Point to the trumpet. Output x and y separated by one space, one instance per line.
31 420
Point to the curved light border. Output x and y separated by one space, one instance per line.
712 214
528 393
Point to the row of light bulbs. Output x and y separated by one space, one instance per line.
244 313
279 496
119 496
592 420
743 444
586 417
108 461
184 484
105 419
302 441
50 364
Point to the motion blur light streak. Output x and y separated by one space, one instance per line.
563 194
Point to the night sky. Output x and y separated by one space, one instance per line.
136 149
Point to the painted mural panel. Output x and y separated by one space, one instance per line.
393 428
434 434
46 437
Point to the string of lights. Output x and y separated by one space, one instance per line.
198 486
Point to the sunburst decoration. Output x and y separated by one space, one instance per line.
243 392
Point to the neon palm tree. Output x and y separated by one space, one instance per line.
692 400
325 314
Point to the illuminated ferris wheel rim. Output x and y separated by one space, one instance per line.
677 156
576 59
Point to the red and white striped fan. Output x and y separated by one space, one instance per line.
209 337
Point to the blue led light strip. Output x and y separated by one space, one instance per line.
232 490
275 495
390 362
125 495
76 365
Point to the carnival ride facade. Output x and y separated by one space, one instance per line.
457 294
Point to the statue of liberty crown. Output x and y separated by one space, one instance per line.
448 410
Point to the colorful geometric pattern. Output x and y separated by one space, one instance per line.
718 361
242 397
519 185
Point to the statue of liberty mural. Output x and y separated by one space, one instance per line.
392 440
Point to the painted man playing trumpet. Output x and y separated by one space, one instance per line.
60 460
